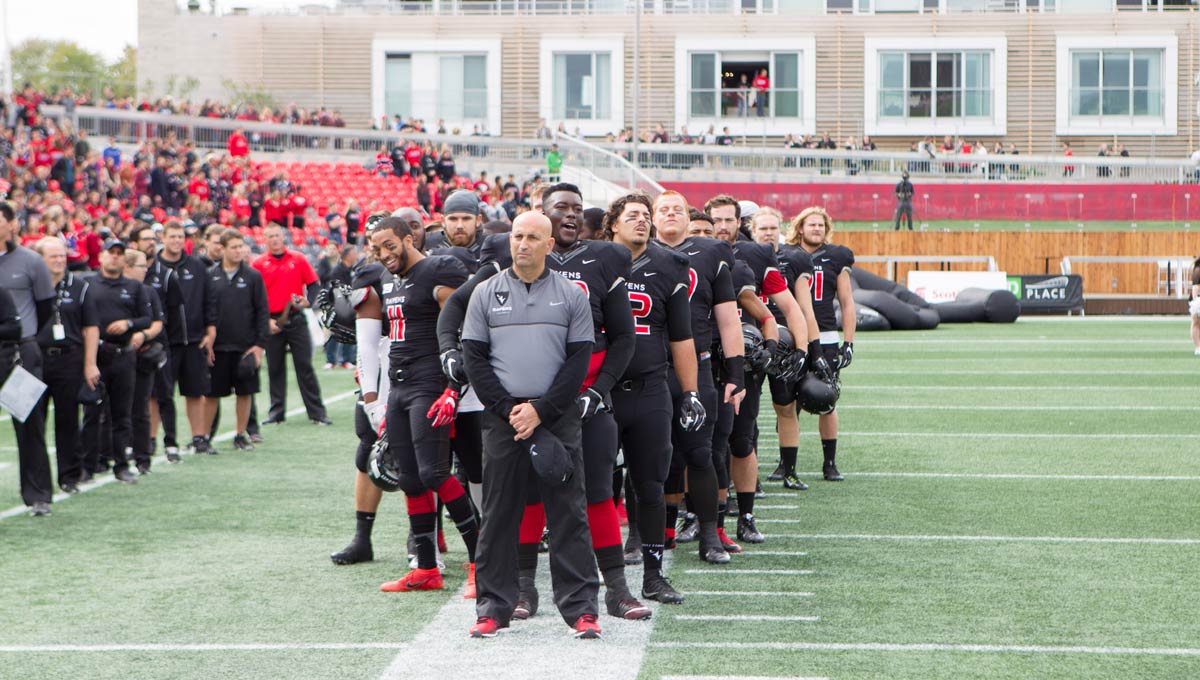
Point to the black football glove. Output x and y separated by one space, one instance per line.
591 402
761 360
691 412
818 365
453 366
845 355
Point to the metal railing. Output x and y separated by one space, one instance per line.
531 7
665 162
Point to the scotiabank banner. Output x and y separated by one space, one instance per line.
1049 293
966 201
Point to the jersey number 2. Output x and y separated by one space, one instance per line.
640 303
395 315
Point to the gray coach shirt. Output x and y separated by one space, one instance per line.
528 328
24 274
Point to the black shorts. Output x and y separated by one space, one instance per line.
224 377
783 392
189 368
163 387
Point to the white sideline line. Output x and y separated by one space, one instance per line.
927 372
742 677
1027 388
1001 539
749 593
780 572
231 647
776 507
743 617
108 479
885 647
770 553
1026 435
997 475
5 465
962 407
1073 342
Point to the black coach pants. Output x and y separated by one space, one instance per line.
293 337
31 437
139 418
63 374
117 372
507 472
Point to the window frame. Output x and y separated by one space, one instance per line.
425 78
994 125
614 46
804 45
1068 124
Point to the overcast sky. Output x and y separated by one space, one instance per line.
104 26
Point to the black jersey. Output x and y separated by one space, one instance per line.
411 308
794 263
494 250
828 261
598 267
437 244
658 288
709 283
468 256
761 259
743 280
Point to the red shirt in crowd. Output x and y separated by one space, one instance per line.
199 187
296 205
273 210
238 146
413 155
761 83
284 276
240 206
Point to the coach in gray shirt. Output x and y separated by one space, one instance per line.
527 340
26 277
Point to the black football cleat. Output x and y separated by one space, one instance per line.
758 490
527 600
625 606
831 473
748 531
242 442
353 554
711 549
777 475
793 482
656 587
689 528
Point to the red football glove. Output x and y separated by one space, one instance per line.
443 409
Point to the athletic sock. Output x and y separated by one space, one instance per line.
703 483
611 561
721 508
452 494
364 522
829 448
787 457
688 502
422 518
672 518
745 502
651 521
533 523
605 526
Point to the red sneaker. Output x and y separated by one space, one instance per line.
586 628
469 591
417 579
485 627
730 546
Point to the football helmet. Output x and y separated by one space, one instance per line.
817 396
381 469
755 349
337 312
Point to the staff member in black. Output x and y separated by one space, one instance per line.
239 294
527 341
68 345
165 283
123 312
25 276
904 196
151 356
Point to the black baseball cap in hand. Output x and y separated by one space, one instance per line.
550 458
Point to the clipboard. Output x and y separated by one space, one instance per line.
21 393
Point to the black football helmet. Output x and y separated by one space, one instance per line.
817 396
381 469
788 363
337 312
755 349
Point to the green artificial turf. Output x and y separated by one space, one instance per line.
233 549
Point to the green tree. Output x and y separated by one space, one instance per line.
122 75
53 64
248 93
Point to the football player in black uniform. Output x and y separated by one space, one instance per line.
796 267
420 405
830 279
658 289
770 285
460 220
713 308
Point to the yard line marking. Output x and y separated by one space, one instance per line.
886 647
996 475
5 465
741 677
1074 342
778 572
743 617
776 507
770 553
1000 539
928 372
963 407
749 593
106 480
1027 435
218 647
1026 388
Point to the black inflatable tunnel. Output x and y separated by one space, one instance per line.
866 318
980 304
901 315
864 279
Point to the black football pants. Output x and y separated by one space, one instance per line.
293 337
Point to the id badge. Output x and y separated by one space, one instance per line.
58 332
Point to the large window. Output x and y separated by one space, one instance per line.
941 6
935 85
398 85
462 91
582 86
1116 83
721 85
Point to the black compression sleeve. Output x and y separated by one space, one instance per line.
679 316
454 312
567 382
723 287
622 343
311 291
484 380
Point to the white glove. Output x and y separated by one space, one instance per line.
376 412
